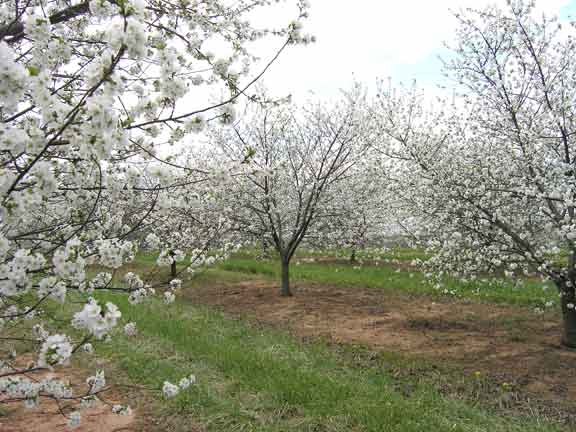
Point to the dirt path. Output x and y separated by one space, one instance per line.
514 343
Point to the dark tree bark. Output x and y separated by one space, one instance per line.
15 30
285 289
353 256
173 271
568 297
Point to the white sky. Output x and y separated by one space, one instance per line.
369 39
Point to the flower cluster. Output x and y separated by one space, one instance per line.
95 320
18 387
55 350
170 390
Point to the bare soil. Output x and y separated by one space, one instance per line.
512 344
51 417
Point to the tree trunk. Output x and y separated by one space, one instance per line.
569 321
353 256
173 265
568 304
265 249
285 290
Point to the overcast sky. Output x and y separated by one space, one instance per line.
369 39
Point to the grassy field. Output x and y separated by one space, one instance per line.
255 377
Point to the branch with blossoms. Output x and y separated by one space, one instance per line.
89 92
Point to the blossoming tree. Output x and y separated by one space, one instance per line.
87 89
493 175
293 157
358 214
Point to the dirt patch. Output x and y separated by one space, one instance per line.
509 343
50 416
440 324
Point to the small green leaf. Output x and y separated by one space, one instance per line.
33 70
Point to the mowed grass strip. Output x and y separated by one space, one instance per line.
260 379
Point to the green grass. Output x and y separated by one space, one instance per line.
402 254
260 379
391 278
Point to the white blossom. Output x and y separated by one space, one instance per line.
169 297
169 390
130 329
55 350
74 420
96 383
95 319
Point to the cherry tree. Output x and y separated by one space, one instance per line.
89 89
292 158
191 227
493 173
358 213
